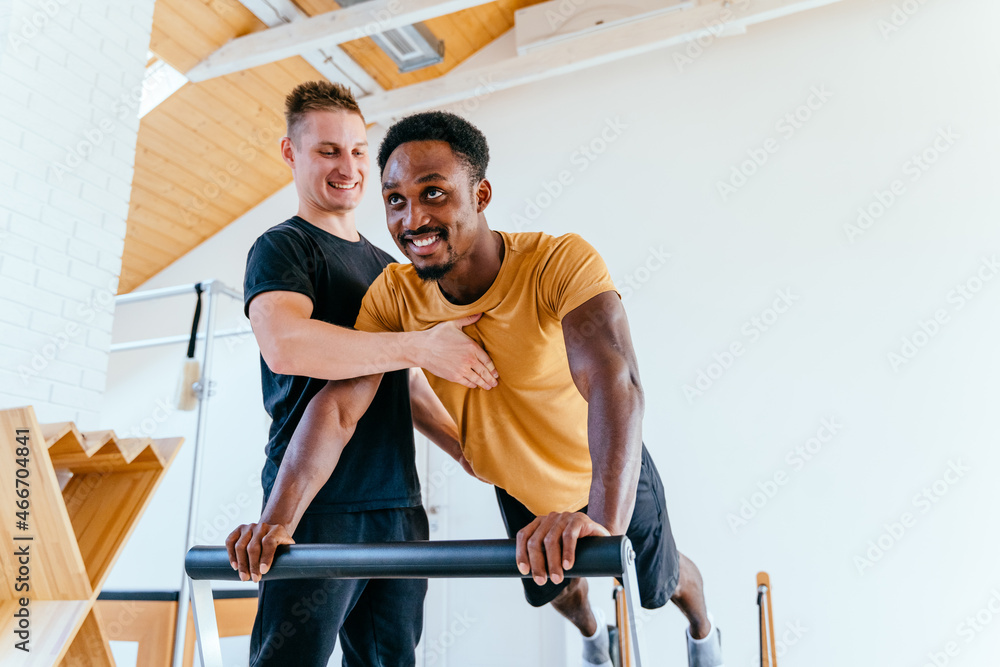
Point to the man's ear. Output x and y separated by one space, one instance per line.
288 152
484 193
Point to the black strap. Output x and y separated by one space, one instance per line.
194 325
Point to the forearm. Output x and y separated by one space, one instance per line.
614 426
314 450
325 351
304 470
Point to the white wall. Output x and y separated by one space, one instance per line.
654 189
6 8
70 77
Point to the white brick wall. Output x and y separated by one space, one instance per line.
6 6
69 72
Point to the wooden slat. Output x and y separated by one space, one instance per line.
211 23
183 32
132 278
145 236
148 622
62 437
112 458
58 569
143 252
146 220
259 83
253 109
245 122
267 163
299 70
198 147
172 210
233 12
53 626
105 506
90 647
152 165
103 509
132 448
169 192
94 441
168 49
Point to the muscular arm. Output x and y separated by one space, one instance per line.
294 344
311 457
605 371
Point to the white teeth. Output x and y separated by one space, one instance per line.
420 243
337 186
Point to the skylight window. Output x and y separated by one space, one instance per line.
160 82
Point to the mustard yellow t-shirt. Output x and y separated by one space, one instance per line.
528 435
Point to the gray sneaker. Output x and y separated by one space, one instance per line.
705 652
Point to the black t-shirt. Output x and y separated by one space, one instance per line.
377 469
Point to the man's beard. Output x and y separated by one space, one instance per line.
437 272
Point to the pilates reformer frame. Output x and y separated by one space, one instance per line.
595 557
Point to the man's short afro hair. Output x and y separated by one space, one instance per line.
465 139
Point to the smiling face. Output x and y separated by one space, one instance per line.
329 160
432 207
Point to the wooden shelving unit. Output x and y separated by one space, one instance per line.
87 492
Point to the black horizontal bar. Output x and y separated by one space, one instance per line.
171 596
595 557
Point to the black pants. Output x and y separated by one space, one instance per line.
379 621
657 563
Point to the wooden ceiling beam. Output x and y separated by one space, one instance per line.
336 27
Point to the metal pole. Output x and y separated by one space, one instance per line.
162 292
159 293
204 392
595 556
205 624
630 583
173 340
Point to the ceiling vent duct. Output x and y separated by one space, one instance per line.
410 47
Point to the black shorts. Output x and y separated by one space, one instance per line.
378 620
657 564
